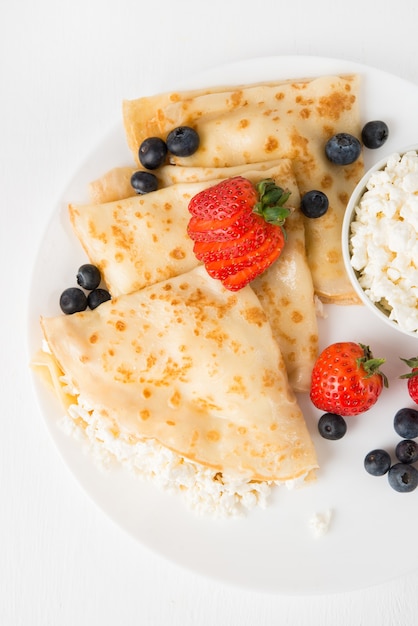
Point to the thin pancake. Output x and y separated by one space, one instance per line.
193 366
115 184
252 123
287 298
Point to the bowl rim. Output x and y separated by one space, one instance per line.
357 193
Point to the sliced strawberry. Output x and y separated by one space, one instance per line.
224 199
233 231
237 281
198 225
216 250
237 228
223 268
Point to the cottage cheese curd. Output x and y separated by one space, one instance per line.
384 240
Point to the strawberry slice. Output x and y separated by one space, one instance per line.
237 228
223 268
235 282
224 200
234 230
216 250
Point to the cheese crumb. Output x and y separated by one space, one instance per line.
319 523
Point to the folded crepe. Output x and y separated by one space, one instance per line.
115 184
193 366
142 239
252 123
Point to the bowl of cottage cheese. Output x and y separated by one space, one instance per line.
380 240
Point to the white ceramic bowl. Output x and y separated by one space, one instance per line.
354 275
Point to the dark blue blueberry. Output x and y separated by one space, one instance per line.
314 203
73 300
88 276
144 182
407 451
374 134
405 423
183 141
332 426
152 152
343 149
377 462
97 297
403 477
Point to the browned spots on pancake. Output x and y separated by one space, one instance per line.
175 399
343 198
328 130
120 326
269 378
216 335
297 317
333 256
124 375
243 123
93 338
303 101
271 144
305 113
238 387
236 99
256 316
178 254
299 144
119 257
170 423
326 181
335 104
144 414
279 95
213 435
122 238
94 234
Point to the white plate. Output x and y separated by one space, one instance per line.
370 539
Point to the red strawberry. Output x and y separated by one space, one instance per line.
237 229
412 378
346 379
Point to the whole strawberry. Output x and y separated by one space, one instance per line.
346 379
237 229
412 378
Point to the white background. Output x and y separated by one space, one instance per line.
64 69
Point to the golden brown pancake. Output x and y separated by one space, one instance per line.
253 123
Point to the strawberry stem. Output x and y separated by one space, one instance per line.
413 364
371 365
271 201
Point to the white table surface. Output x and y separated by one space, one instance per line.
64 69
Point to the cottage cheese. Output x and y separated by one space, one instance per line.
384 239
204 490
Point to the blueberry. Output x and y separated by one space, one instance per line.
343 149
405 423
152 152
407 451
377 462
88 276
97 297
332 426
144 182
314 203
403 477
73 300
183 141
374 134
